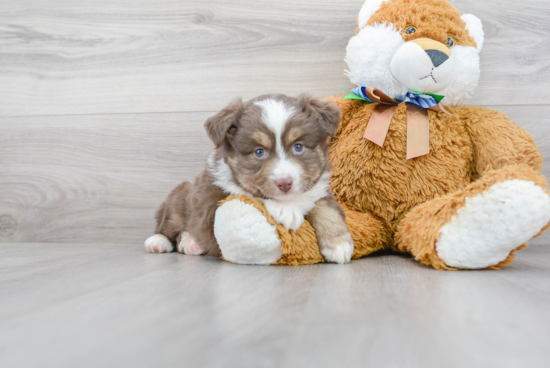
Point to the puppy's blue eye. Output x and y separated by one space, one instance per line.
259 153
298 148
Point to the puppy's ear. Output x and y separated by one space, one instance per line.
326 113
224 123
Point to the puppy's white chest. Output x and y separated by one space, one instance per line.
288 214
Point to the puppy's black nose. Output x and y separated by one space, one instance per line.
284 184
437 57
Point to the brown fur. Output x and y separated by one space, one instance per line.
435 19
419 230
403 203
381 181
191 207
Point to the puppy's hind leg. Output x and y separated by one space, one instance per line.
189 245
171 220
158 243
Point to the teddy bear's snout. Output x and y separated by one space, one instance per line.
423 65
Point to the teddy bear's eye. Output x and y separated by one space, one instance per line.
450 42
410 30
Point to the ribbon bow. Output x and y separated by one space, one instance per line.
418 121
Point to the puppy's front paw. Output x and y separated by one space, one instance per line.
339 252
188 245
158 243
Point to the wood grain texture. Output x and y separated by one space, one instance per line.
112 305
86 57
96 178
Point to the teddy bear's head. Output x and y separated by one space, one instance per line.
416 45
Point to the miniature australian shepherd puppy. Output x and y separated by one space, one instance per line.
273 148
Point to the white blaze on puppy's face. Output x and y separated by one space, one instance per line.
275 115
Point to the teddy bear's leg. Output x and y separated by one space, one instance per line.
481 226
368 233
244 234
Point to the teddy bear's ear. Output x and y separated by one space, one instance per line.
326 113
475 28
369 8
224 122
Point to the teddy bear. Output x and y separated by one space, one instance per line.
456 186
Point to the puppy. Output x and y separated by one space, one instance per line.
273 148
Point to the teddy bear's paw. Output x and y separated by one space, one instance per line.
244 234
341 252
493 223
158 243
188 245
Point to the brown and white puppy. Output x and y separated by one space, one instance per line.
274 148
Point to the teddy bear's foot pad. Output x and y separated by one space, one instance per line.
491 224
246 238
158 243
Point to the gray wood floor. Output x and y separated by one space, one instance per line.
112 305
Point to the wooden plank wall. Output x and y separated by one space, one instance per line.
102 103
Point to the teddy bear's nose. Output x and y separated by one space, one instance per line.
438 52
437 57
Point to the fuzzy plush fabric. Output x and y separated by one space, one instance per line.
368 233
419 231
249 237
434 19
492 223
294 247
408 202
253 237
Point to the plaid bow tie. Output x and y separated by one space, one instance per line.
421 99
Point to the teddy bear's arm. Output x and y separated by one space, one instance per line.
498 142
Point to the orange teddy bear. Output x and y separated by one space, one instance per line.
458 187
